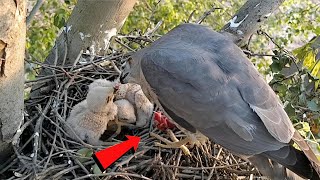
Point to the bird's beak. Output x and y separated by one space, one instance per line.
123 76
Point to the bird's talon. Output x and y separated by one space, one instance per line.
169 144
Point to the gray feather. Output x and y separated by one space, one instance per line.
209 86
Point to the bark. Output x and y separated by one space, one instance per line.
90 27
12 48
248 19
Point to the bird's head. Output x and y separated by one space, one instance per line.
100 99
132 70
132 73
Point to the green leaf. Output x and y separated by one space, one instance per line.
60 18
317 30
96 169
85 154
302 98
316 84
290 110
275 67
278 77
313 106
300 52
282 88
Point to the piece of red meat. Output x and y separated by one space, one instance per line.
162 122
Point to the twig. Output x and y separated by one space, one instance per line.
124 45
201 168
135 155
16 137
215 163
34 10
114 174
190 16
51 151
38 130
152 31
206 14
77 60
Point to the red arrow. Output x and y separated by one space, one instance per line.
108 156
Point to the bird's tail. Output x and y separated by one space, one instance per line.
288 162
307 152
275 170
268 168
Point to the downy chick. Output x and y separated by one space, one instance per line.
126 111
134 94
90 117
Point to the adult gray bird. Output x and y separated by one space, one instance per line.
205 83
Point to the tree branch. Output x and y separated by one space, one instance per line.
90 27
34 10
248 19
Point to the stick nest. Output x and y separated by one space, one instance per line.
44 150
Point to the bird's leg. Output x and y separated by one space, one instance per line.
163 123
175 143
197 139
193 139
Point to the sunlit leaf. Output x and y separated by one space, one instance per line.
305 126
309 59
315 69
300 52
302 133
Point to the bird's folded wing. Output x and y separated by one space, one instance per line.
263 100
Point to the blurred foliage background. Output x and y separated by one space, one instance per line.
284 42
